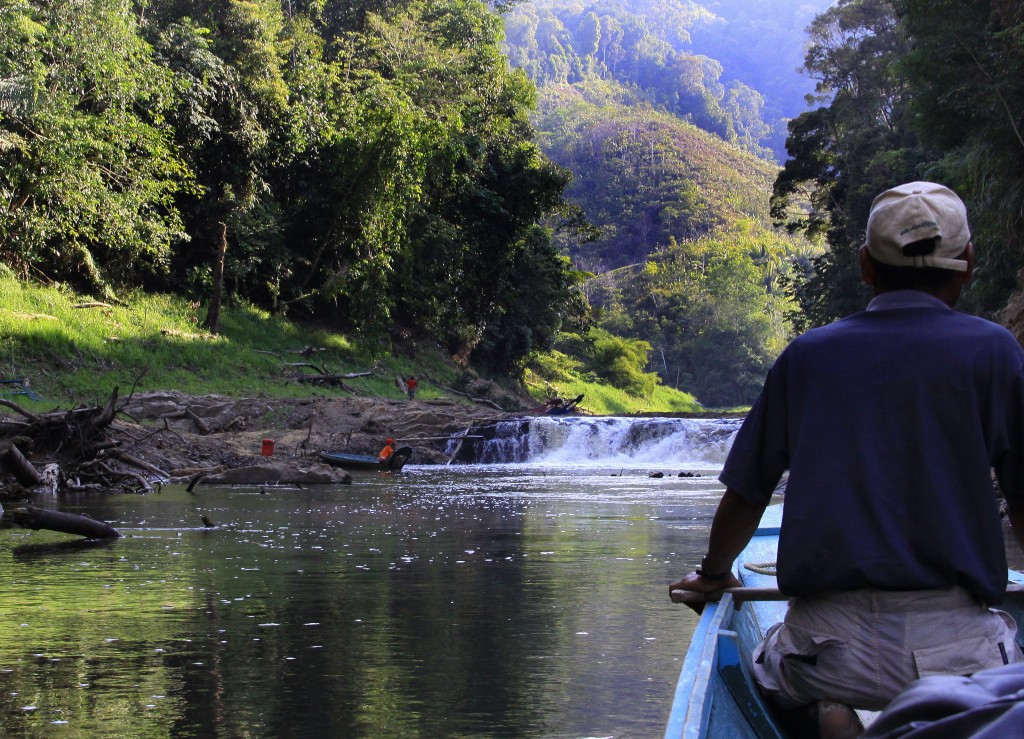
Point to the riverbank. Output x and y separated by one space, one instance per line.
134 444
193 432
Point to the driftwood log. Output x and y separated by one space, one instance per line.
329 380
23 470
323 376
29 517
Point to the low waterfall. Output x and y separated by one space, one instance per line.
612 440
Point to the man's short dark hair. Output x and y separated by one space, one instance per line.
925 279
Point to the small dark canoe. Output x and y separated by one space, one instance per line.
366 462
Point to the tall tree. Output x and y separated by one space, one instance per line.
231 105
87 170
848 150
965 64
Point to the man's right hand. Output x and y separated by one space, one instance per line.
694 582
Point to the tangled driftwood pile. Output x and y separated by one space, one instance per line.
67 450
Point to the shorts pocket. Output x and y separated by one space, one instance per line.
787 661
962 657
806 645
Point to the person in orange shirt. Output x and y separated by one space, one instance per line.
387 451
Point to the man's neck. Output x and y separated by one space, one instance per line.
948 293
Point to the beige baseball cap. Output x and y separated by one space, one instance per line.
914 212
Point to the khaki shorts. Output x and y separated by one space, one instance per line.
865 646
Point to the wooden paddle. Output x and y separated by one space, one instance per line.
741 595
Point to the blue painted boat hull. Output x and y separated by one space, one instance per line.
716 696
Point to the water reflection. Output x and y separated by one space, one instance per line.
471 601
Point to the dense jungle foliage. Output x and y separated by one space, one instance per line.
367 164
497 180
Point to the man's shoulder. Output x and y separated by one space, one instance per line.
937 327
982 327
925 315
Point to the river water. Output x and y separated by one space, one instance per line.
522 599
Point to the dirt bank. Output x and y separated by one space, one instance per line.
132 443
179 433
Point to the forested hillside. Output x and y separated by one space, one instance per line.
731 67
904 90
761 43
685 258
668 163
643 176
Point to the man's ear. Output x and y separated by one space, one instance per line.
867 267
969 257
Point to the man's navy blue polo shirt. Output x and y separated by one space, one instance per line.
890 423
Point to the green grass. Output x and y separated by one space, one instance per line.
76 351
602 399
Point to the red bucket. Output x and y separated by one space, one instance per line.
268 447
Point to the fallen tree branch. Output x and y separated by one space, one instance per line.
18 409
321 370
107 414
23 470
200 423
98 447
29 517
140 463
308 351
484 401
143 482
331 379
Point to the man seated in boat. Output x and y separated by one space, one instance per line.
890 423
387 451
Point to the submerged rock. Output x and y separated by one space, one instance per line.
280 473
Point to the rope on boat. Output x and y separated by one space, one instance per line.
762 568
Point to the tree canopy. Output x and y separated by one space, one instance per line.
372 164
908 90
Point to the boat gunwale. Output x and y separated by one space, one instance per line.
692 703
